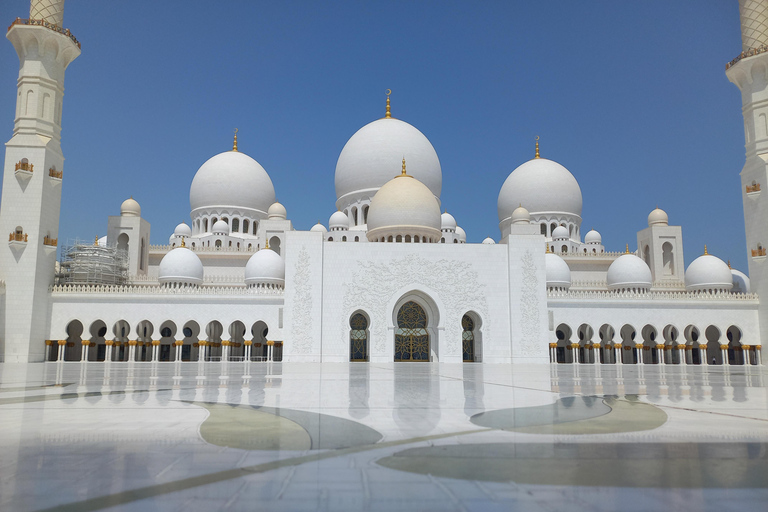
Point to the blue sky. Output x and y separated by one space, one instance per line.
631 97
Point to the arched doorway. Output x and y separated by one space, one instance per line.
468 339
411 336
358 338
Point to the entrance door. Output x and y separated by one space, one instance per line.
468 339
358 338
411 337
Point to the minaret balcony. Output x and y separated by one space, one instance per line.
57 175
18 240
49 26
52 242
759 252
751 189
24 169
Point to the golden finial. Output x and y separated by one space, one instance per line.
182 242
729 264
705 250
234 146
96 241
266 243
547 249
404 173
627 249
537 147
389 114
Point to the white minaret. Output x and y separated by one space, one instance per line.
32 179
749 71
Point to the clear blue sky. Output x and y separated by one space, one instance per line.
630 96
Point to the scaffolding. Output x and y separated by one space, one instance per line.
91 263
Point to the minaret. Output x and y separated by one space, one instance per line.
32 180
749 71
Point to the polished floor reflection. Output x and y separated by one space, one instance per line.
400 436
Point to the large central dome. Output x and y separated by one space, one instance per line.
372 156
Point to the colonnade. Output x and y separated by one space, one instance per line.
611 353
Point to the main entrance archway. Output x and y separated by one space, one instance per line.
411 336
358 338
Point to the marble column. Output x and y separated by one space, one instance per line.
574 353
155 349
724 351
596 352
681 353
703 354
108 353
660 353
640 358
617 348
201 344
48 344
62 349
758 359
247 350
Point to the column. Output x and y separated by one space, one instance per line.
84 350
132 350
758 359
155 350
108 354
639 348
62 349
596 352
681 352
270 346
574 353
201 350
617 353
724 351
178 344
660 349
48 344
248 349
703 353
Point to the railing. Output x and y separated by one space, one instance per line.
24 166
753 188
612 254
651 295
49 26
748 53
157 289
53 242
53 173
758 252
201 248
18 237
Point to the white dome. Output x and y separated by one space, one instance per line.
130 208
560 233
629 272
593 237
371 157
220 227
338 220
558 271
447 221
740 282
180 266
521 216
182 230
461 234
658 217
404 206
708 272
543 186
265 267
277 212
489 241
319 228
232 179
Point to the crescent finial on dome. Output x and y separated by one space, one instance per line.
705 250
266 243
627 249
182 243
537 147
389 113
234 145
404 173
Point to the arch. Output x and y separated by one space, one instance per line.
142 256
237 331
365 214
670 334
259 331
563 333
330 239
98 330
344 238
359 335
691 335
205 225
144 330
647 255
399 238
357 239
736 353
246 225
74 341
472 337
628 350
167 333
552 227
714 354
606 334
650 355
564 249
217 244
274 244
668 259
543 228
585 332
235 225
354 215
412 341
191 331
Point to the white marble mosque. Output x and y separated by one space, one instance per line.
390 278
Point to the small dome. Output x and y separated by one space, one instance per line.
130 208
740 282
544 186
489 241
265 267
404 206
338 220
521 216
708 272
658 217
277 212
447 221
558 271
629 272
220 227
461 234
318 228
560 233
593 237
182 230
180 266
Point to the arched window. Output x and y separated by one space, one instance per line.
468 339
544 229
564 249
246 225
399 238
205 225
255 226
344 238
357 239
358 338
411 336
235 225
647 255
365 214
668 259
407 238
142 255
218 243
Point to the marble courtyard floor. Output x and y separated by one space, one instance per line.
390 437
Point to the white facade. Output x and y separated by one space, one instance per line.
407 287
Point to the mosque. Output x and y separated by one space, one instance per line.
391 276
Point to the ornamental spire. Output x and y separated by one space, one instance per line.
537 147
705 250
627 249
388 115
234 145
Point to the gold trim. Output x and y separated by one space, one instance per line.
537 148
234 144
388 115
